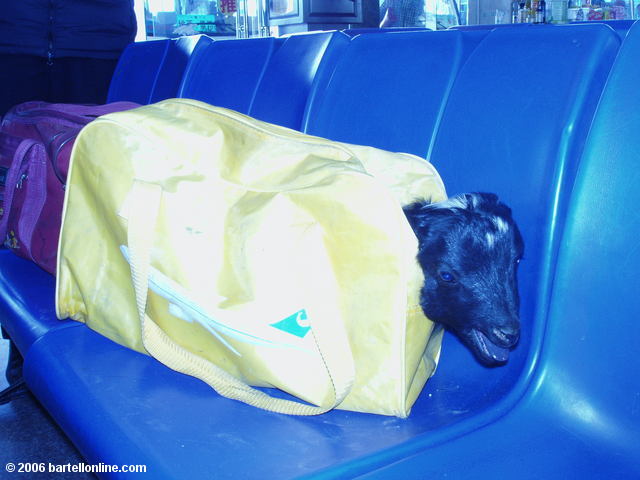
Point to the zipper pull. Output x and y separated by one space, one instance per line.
23 177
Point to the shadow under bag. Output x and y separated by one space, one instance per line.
250 255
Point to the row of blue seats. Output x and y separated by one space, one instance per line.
546 117
152 71
248 76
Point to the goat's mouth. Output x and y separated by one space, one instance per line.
488 352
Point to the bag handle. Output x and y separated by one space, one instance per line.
11 182
144 206
35 197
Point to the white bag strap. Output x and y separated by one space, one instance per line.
338 360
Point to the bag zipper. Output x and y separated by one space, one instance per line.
76 120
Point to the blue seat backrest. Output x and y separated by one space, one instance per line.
151 71
621 27
136 72
301 61
515 124
227 73
175 62
593 334
388 91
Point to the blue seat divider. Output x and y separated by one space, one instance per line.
171 71
389 91
136 72
515 124
227 73
151 71
301 61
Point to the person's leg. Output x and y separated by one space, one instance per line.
13 373
14 366
22 78
81 80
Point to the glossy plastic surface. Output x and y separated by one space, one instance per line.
121 407
540 107
171 71
151 71
226 74
402 82
580 417
27 309
621 27
136 72
301 61
590 358
352 32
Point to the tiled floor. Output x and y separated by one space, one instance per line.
29 435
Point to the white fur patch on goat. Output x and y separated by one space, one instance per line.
500 224
489 239
454 202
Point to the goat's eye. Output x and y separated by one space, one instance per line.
447 277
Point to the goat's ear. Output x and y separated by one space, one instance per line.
483 200
418 214
490 203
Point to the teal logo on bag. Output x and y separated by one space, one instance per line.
296 324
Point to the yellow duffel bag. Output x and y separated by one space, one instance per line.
247 254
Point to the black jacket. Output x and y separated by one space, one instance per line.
66 28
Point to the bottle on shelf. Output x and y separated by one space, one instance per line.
541 12
522 12
528 11
515 12
557 11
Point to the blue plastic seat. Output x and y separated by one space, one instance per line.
136 72
591 357
515 124
389 91
578 417
151 71
301 61
227 73
27 310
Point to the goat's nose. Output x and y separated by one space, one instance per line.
508 334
